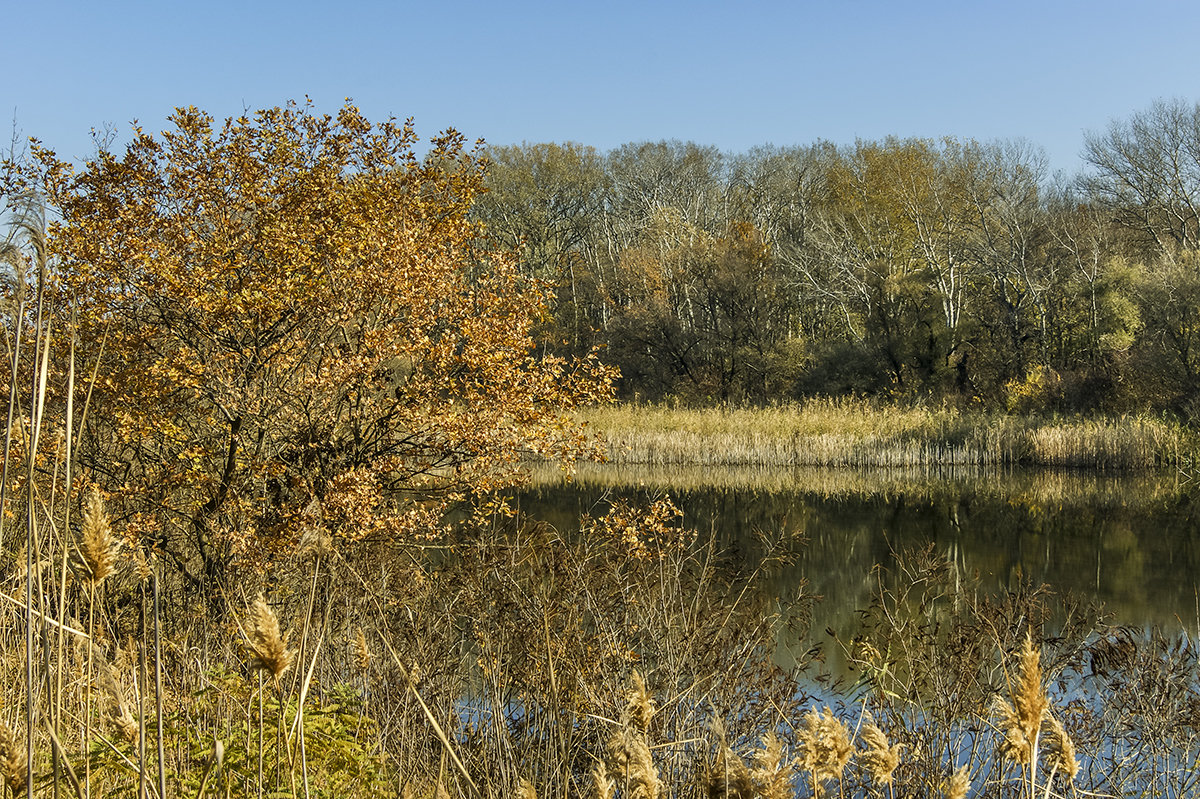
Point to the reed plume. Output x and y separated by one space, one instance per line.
772 773
827 747
121 716
1021 721
142 567
602 786
957 785
878 759
97 546
1060 750
730 779
630 761
269 645
640 708
12 760
362 655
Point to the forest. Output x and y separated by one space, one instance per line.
906 269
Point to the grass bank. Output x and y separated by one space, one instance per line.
854 433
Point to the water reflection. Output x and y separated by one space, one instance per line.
1129 542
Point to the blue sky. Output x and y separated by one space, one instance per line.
606 73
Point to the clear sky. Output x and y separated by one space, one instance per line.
606 72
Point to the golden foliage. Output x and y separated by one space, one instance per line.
640 532
296 307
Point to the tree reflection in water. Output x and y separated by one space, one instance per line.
1128 542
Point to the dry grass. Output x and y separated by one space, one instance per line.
1030 487
861 434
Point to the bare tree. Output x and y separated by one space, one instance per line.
1146 173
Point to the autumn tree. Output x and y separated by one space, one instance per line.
1019 272
905 267
298 331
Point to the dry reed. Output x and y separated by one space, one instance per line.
772 772
268 644
362 654
863 434
1021 721
12 760
525 790
602 786
629 761
957 784
98 545
826 747
640 708
729 778
631 765
878 759
1060 751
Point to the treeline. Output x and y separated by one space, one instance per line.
906 268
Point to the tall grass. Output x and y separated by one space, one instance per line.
857 433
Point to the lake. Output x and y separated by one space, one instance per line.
1130 542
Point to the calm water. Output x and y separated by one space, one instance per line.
1131 543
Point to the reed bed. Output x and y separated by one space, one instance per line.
861 434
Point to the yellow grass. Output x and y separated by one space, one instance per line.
857 433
